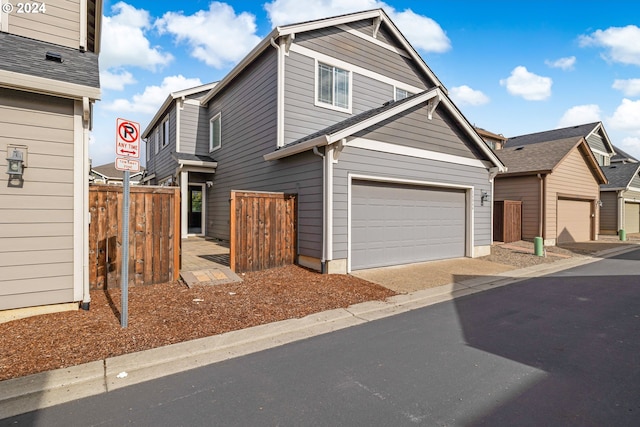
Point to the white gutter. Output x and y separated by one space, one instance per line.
201 163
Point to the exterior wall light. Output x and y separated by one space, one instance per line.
15 165
484 196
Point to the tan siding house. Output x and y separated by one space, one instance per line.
45 116
567 175
621 198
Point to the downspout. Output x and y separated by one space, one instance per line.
280 91
86 123
541 228
328 207
493 172
620 211
324 225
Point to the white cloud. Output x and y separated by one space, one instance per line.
631 145
422 32
527 85
580 114
565 64
630 87
124 42
152 98
217 36
464 95
622 43
626 117
116 79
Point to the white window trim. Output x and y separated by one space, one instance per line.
330 106
165 138
211 120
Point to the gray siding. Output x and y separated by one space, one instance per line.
355 50
163 164
36 221
194 130
249 108
635 195
609 212
635 182
303 118
413 128
361 161
597 143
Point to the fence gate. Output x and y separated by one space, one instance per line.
263 230
154 235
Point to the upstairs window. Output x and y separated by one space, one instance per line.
402 94
215 133
333 86
165 132
156 140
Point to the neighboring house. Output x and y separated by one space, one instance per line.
620 199
622 157
593 133
493 140
49 80
108 174
558 183
344 113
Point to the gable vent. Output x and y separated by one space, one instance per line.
52 56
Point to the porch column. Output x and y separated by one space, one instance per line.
184 203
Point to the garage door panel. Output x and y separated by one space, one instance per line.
574 220
399 224
632 217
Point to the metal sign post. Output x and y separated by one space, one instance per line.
127 146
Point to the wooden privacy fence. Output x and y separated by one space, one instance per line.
154 235
507 221
263 230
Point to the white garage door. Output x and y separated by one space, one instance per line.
632 217
399 224
574 221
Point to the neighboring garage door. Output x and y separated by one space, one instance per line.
632 217
400 224
574 220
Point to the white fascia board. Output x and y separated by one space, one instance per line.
198 163
613 189
329 22
251 56
25 82
297 148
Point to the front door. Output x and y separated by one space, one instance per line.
196 199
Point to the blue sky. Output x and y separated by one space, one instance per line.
511 67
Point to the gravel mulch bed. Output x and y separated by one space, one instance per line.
170 313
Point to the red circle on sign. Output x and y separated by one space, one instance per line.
127 132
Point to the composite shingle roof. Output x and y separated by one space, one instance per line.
539 157
619 175
621 156
28 56
552 135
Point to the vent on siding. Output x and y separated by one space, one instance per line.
518 149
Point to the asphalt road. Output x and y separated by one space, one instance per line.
560 350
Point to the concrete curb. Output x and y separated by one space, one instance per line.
51 388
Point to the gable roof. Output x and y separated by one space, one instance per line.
170 98
362 121
25 56
291 30
584 130
544 157
622 156
619 176
109 171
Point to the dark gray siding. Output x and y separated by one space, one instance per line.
249 118
341 45
361 161
194 130
302 117
609 212
163 164
413 128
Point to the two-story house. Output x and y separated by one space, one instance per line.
344 113
48 83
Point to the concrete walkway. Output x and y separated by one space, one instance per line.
46 389
206 262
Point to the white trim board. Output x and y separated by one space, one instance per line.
45 86
401 150
373 40
469 208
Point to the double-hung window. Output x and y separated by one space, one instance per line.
215 132
333 86
402 94
165 132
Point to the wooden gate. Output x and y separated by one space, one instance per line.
507 221
263 230
154 235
